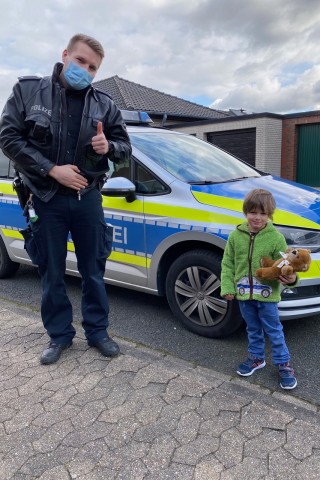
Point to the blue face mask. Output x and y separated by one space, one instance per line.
77 77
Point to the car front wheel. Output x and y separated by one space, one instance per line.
193 294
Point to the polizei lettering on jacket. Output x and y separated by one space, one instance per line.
41 109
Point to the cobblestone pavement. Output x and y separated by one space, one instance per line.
142 415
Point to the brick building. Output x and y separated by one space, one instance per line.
284 145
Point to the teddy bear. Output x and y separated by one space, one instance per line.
293 260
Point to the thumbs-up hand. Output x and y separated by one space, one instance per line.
99 128
99 142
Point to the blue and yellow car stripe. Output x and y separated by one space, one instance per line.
159 220
281 217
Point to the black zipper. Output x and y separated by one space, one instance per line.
81 191
59 137
250 253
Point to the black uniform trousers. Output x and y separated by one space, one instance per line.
84 219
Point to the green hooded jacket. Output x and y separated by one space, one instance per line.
241 259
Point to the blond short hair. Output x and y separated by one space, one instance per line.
90 41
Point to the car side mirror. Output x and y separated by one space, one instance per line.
119 187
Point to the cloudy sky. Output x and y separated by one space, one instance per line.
259 55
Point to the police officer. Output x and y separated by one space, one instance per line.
59 131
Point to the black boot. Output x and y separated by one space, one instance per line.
106 346
52 353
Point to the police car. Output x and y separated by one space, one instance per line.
172 207
243 287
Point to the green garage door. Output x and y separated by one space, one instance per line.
308 155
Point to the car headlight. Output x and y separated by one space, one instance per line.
299 237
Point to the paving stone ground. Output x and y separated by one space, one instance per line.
141 416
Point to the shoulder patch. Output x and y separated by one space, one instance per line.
29 77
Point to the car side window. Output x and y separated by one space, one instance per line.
121 169
6 166
147 183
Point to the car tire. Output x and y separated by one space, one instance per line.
7 266
193 294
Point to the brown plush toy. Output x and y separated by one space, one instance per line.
293 260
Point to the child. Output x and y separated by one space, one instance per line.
246 245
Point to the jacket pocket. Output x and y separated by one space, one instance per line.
39 130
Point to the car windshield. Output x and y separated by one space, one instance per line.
190 159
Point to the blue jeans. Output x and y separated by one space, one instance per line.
263 318
84 219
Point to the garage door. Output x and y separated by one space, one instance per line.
308 155
241 143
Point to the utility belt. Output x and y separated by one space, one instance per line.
23 192
24 195
62 190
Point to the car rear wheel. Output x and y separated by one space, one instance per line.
193 293
7 266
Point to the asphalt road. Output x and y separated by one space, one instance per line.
147 319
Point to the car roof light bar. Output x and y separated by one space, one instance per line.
135 116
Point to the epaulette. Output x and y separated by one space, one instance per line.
102 91
29 77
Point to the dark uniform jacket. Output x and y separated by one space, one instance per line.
31 132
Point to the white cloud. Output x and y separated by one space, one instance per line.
252 54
